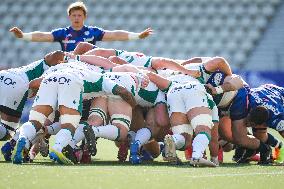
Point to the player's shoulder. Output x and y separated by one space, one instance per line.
89 27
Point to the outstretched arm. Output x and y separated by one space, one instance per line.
36 36
121 35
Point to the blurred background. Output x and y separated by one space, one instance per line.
248 33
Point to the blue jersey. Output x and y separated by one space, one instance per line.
69 38
271 97
238 107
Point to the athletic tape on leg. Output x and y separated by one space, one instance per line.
121 119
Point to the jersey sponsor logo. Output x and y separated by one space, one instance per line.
66 41
88 39
60 80
280 126
7 81
179 88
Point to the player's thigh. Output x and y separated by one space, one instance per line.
138 120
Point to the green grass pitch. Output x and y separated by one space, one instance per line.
106 172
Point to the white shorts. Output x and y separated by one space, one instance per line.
183 98
13 90
60 89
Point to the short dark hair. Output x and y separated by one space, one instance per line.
258 115
77 6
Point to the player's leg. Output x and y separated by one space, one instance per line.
97 117
70 106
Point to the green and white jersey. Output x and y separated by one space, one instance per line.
126 79
177 77
135 58
76 65
90 77
31 71
150 96
205 75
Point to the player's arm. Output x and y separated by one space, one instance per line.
121 35
94 60
142 78
218 63
161 82
35 36
231 83
193 60
34 86
117 60
161 63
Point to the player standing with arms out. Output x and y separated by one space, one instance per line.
70 36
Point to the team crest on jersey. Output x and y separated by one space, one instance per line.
218 78
280 126
87 33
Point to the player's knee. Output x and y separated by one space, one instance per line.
72 120
120 119
97 116
184 128
202 122
37 118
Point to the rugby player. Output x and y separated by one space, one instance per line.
70 36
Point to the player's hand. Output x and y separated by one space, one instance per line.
146 33
143 80
68 56
17 32
210 89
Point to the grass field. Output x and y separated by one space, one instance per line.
107 173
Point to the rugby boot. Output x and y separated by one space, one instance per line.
18 154
170 150
122 151
91 140
7 150
134 157
201 162
59 157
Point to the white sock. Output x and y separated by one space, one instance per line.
109 132
199 145
79 134
16 135
62 139
54 128
28 132
3 131
143 136
179 141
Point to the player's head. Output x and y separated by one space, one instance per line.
77 13
258 115
54 57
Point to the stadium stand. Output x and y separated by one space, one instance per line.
187 28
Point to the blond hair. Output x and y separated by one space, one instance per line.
79 5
